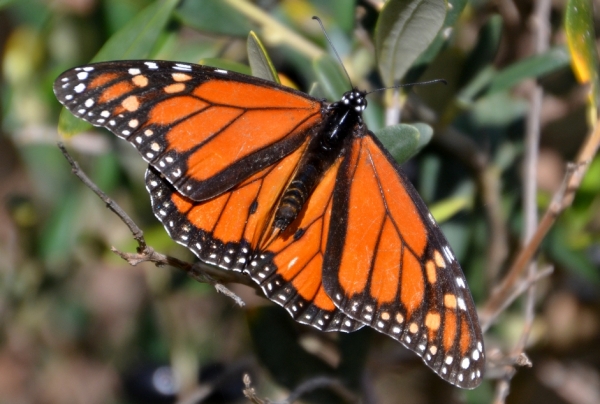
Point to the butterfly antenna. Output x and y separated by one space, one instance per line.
420 83
333 48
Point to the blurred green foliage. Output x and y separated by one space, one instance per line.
77 322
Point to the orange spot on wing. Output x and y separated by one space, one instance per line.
174 88
131 103
412 288
450 329
103 79
198 128
386 271
140 81
115 91
432 322
431 271
246 95
399 202
181 77
450 301
174 109
439 260
250 133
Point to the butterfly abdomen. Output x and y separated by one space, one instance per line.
323 150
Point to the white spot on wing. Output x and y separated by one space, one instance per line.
181 66
448 253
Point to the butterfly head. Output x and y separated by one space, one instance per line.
355 99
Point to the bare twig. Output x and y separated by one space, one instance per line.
199 271
541 32
306 387
518 290
249 391
315 383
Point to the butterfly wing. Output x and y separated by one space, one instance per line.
389 266
204 129
227 231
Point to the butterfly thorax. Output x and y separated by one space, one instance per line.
342 119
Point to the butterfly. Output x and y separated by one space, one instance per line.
295 192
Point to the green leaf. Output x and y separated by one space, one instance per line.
535 66
260 63
137 39
214 16
134 41
455 8
404 30
445 209
498 109
401 140
333 82
579 26
425 134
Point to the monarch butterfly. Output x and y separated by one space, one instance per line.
295 192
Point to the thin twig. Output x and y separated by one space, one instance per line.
561 200
199 271
137 233
541 31
309 385
519 289
249 391
315 383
